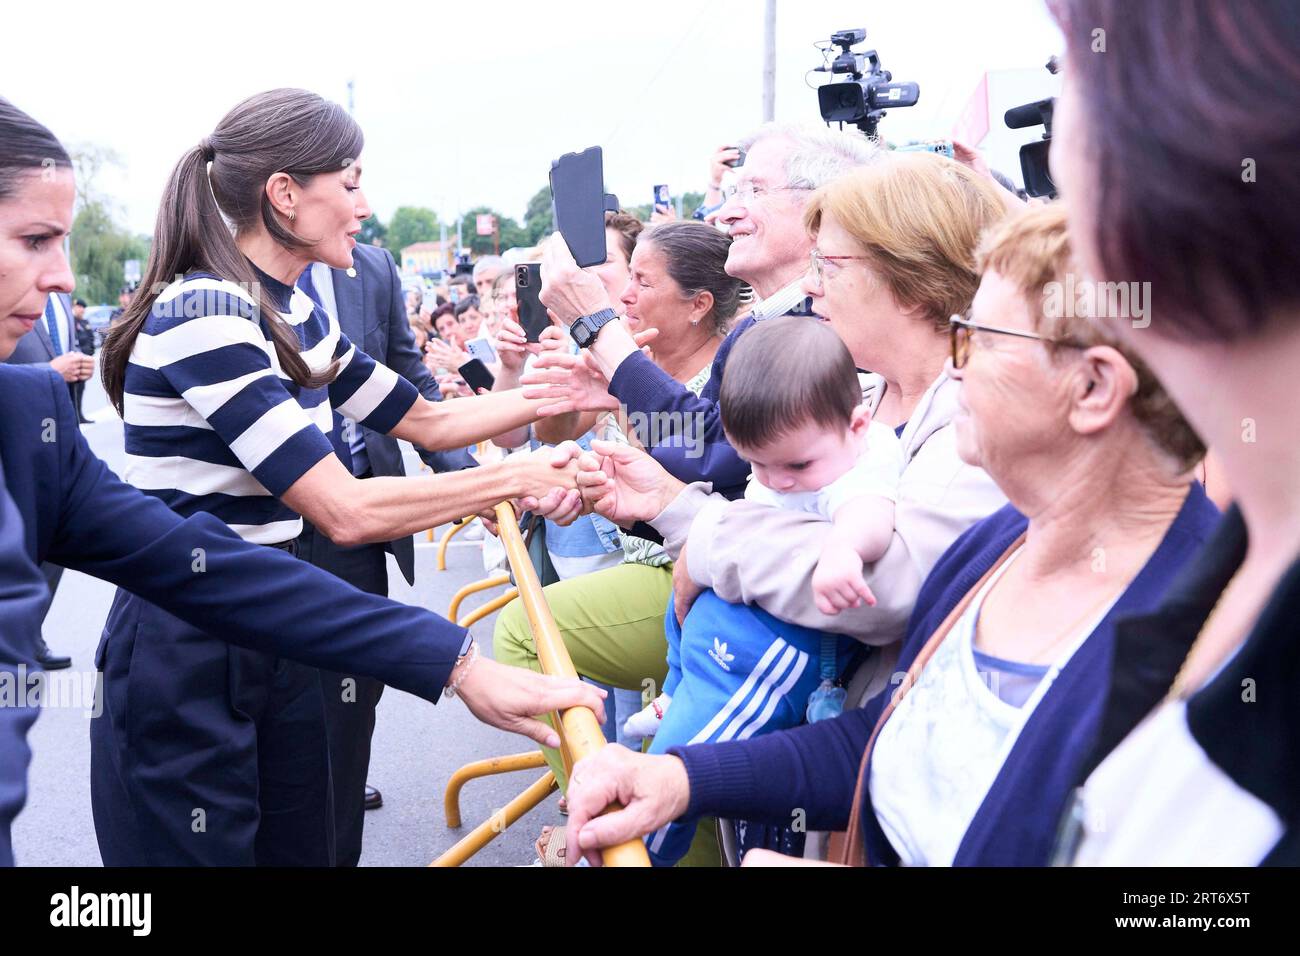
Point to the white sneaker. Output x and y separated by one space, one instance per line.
474 532
645 723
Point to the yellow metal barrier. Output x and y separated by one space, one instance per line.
484 768
579 730
495 825
446 540
454 608
491 607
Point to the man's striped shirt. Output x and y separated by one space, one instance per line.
212 422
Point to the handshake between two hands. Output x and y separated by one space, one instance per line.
614 480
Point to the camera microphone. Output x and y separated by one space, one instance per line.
1030 114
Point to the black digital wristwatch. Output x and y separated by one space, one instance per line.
585 328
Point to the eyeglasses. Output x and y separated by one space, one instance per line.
819 264
747 192
960 330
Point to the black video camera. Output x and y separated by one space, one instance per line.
863 95
1033 156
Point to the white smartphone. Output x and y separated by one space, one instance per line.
481 348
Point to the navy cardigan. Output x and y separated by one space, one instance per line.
814 769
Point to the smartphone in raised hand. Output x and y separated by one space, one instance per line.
663 199
528 289
578 194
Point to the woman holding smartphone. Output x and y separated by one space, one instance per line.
226 372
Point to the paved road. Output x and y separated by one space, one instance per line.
416 746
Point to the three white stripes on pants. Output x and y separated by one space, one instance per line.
775 662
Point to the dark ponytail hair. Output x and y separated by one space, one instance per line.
286 130
28 147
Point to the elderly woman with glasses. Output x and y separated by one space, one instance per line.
971 758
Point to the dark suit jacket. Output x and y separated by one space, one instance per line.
372 314
78 514
22 606
36 346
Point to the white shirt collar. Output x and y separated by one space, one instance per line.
780 302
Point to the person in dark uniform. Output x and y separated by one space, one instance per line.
367 302
84 337
60 502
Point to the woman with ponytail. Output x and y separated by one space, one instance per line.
227 373
170 794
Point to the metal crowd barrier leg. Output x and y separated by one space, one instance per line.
446 540
473 588
484 768
495 825
491 607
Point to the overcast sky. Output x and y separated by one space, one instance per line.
466 103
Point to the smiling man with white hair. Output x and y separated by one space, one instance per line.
770 250
784 164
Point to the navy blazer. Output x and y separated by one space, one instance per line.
78 514
372 314
22 606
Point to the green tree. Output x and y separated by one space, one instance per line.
690 202
374 232
409 225
539 217
99 248
512 234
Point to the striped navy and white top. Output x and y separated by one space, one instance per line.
212 422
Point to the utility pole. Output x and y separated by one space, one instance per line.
769 62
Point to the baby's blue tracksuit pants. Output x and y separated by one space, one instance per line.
734 671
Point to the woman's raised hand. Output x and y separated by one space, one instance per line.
573 383
568 383
513 346
444 356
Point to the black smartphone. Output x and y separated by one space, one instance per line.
739 160
578 194
528 288
476 375
663 199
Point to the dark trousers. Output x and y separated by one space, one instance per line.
206 754
350 699
76 390
53 575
